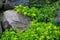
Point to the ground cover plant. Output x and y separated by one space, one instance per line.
37 31
41 3
42 14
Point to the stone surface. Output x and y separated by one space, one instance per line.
1 4
5 23
18 22
12 3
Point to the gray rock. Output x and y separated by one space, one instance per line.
1 4
5 23
0 29
12 3
18 22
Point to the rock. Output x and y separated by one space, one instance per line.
18 22
1 4
12 3
5 23
0 28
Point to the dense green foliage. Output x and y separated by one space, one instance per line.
37 31
41 3
43 14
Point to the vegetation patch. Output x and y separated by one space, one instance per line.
37 31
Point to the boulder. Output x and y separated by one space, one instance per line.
1 4
18 22
9 4
5 23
